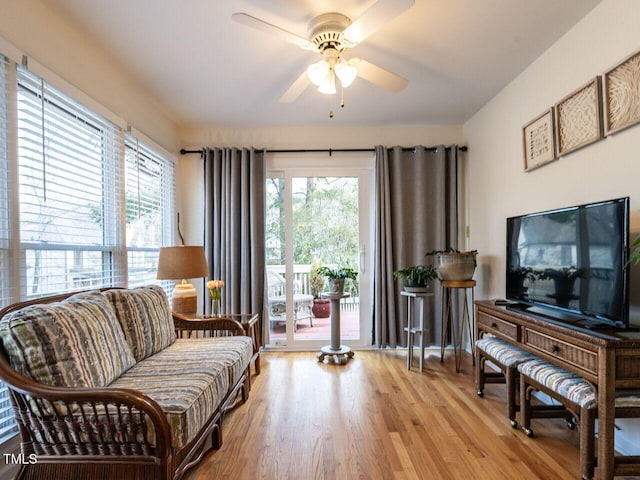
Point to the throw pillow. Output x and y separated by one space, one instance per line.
145 317
74 343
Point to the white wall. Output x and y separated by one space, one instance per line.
61 46
498 185
322 137
610 168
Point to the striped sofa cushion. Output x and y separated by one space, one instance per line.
189 379
74 343
145 316
504 353
234 352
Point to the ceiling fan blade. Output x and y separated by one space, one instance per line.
258 24
381 12
379 76
296 89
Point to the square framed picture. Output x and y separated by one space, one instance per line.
539 141
578 118
621 98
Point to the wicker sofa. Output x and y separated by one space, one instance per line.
103 387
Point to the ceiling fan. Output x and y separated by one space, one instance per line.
331 35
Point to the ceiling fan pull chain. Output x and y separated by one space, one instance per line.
330 106
341 96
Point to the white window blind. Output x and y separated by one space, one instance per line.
5 254
149 180
8 426
73 199
69 176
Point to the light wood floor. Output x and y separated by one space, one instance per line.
373 419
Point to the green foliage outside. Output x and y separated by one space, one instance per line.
325 219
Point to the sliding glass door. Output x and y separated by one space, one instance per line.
317 216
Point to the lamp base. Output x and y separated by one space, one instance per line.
184 299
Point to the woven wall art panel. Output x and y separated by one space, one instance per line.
579 118
538 141
622 94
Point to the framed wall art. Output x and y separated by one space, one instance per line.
539 141
578 118
622 94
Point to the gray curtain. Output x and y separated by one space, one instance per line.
416 212
234 231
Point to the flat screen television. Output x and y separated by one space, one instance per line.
569 264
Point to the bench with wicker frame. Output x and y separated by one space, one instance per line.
102 387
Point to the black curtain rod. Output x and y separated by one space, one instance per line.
327 150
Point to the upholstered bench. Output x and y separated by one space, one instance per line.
506 357
578 397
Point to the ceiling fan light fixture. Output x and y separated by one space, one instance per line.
346 72
318 72
328 85
331 35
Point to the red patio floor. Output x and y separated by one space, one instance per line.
321 330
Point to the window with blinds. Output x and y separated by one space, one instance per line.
8 426
149 180
68 181
82 204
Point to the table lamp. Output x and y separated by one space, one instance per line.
181 263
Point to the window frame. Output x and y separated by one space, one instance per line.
13 269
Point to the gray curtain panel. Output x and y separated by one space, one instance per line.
234 231
416 212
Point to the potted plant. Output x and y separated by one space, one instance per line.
417 277
321 306
454 265
337 276
634 252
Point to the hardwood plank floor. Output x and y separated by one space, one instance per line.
373 419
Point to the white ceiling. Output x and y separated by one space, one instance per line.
209 70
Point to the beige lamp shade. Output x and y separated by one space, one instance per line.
177 263
180 263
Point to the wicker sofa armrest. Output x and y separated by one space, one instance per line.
86 421
221 326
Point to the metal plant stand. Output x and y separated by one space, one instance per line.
412 330
457 327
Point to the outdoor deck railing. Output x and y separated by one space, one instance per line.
301 285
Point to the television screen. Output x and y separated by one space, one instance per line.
572 261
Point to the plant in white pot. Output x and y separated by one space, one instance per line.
337 277
454 265
417 277
321 306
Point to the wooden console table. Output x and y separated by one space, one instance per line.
608 360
